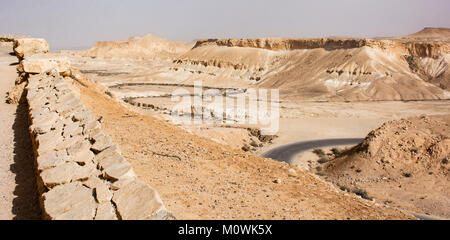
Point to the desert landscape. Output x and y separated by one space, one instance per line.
329 88
152 129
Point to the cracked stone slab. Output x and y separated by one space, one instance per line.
120 171
81 152
114 149
65 173
116 167
138 201
70 201
51 159
121 183
68 142
48 141
102 142
106 211
102 193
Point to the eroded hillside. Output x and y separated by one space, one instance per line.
325 69
200 179
403 163
331 69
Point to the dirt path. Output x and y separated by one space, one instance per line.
199 179
18 193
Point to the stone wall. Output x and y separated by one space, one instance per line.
81 173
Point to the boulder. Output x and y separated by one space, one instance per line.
24 47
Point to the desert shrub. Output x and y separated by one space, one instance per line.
246 148
336 151
324 160
362 193
344 188
319 152
407 175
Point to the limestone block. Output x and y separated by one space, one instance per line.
121 183
80 152
138 201
102 193
70 201
83 116
65 97
106 211
111 159
44 64
120 171
25 47
51 159
67 142
116 167
48 141
67 105
71 128
15 95
91 126
93 181
114 149
101 142
65 173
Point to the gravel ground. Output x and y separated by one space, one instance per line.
18 193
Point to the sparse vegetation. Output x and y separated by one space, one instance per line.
324 160
344 188
362 193
319 152
407 175
336 151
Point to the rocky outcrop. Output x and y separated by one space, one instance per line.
403 161
427 49
10 38
24 47
146 47
416 48
282 44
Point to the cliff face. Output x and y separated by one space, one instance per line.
326 68
281 44
138 48
427 49
415 48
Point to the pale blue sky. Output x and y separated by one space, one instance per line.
80 23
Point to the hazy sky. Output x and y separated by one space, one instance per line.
80 23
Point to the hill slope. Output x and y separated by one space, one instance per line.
405 162
322 69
